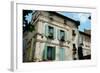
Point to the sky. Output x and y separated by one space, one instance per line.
85 23
28 17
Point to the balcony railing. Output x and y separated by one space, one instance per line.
62 39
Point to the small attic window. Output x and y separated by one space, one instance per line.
51 16
73 32
65 22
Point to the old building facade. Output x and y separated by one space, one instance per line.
55 38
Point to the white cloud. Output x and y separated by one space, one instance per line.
80 16
83 17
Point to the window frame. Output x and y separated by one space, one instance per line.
62 31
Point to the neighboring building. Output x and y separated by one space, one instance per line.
87 31
55 38
85 44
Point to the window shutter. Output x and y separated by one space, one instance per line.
46 29
53 53
62 54
45 52
54 33
58 34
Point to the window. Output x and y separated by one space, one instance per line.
65 22
51 16
50 32
62 35
73 32
74 47
74 51
49 53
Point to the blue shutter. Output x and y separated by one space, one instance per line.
62 54
54 33
46 29
58 34
53 53
45 52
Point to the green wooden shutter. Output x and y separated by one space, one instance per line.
62 54
54 33
53 53
58 34
45 52
46 29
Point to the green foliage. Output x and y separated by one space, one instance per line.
31 27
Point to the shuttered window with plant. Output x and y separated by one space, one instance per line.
50 32
61 35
